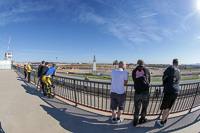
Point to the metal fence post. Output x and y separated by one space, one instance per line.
160 114
75 92
194 97
34 76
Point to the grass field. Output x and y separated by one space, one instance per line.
153 79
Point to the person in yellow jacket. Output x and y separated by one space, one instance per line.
29 71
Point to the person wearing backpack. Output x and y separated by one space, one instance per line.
141 78
171 80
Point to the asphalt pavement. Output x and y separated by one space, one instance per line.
24 110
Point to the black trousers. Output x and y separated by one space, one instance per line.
25 74
29 76
141 99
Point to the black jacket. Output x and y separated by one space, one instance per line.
141 78
171 79
44 71
40 70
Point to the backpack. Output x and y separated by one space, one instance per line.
176 75
140 73
141 78
172 76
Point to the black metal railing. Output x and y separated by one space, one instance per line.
96 95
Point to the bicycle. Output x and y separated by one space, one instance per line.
49 88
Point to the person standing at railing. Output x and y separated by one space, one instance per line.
43 72
25 73
141 78
39 72
29 71
86 82
119 78
40 68
47 77
171 80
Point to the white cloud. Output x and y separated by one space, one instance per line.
190 15
149 15
129 21
19 11
86 14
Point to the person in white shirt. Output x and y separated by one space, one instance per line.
119 78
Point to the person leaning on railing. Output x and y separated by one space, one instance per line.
171 80
119 78
141 78
51 72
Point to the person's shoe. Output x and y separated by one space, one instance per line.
135 123
119 120
113 120
142 121
160 124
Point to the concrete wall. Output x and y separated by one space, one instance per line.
5 64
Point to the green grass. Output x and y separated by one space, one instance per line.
153 79
91 76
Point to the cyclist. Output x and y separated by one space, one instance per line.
49 73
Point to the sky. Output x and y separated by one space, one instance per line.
76 30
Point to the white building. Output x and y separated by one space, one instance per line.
5 64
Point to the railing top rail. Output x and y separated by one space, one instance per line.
153 85
100 82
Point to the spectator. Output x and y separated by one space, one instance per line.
29 71
39 72
141 78
119 78
85 83
25 73
43 72
171 80
40 68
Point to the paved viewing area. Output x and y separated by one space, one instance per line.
24 110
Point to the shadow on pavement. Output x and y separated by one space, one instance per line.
1 129
79 120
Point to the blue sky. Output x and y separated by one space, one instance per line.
75 30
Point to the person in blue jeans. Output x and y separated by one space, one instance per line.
141 78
